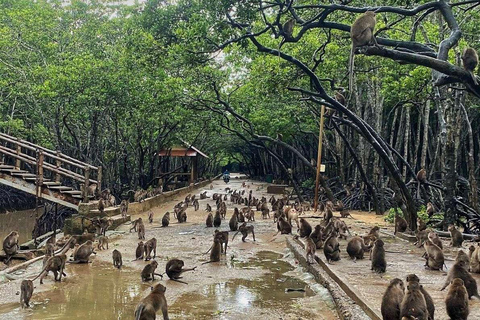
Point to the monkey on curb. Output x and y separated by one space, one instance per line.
470 62
124 208
117 259
166 219
148 272
457 300
10 245
174 269
148 307
392 299
245 230
361 34
331 247
379 264
26 292
283 226
305 228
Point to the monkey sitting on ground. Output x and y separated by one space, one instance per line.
222 237
435 239
233 223
245 230
102 241
379 264
101 206
174 269
182 216
331 248
434 256
400 224
413 304
356 248
150 246
457 237
140 252
474 252
26 292
166 219
148 272
209 208
310 248
283 226
305 228
117 259
81 239
392 299
209 221
124 208
375 231
317 236
216 251
457 300
141 229
10 245
361 34
56 264
148 307
460 270
196 205
470 62
150 217
83 252
428 298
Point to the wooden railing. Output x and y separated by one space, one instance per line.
49 164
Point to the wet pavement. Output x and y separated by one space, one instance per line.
248 283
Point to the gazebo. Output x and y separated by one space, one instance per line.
184 151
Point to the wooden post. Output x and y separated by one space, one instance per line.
99 179
193 172
39 173
85 185
58 163
319 158
18 162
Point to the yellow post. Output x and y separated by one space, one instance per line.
319 158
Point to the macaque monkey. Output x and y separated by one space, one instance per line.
421 225
413 305
141 229
83 252
148 272
209 221
435 239
474 252
217 220
117 259
266 213
305 228
140 252
148 307
26 291
174 269
340 98
283 226
245 230
460 270
196 205
124 208
457 237
331 248
457 300
135 224
166 219
379 264
182 216
310 248
392 298
400 224
287 30
56 264
233 223
434 256
150 217
10 245
428 298
102 241
150 246
317 236
430 209
216 251
375 231
356 248
209 208
470 62
361 34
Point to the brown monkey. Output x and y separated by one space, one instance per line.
375 231
400 224
135 224
457 237
217 220
287 30
56 264
433 236
470 62
174 269
421 225
421 236
430 209
379 264
413 304
209 220
245 230
196 205
101 206
148 307
422 176
222 237
428 298
361 34
182 216
26 291
10 245
340 98
356 248
305 228
49 248
148 272
310 248
283 226
266 213
331 248
117 259
460 270
141 229
474 253
392 299
150 217
140 252
328 214
457 300
233 223
317 236
102 241
124 208
166 219
434 256
216 251
209 208
150 246
83 252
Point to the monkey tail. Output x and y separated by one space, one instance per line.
209 250
350 71
235 235
139 311
208 262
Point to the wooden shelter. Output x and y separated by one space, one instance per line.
185 151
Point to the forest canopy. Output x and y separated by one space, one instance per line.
112 84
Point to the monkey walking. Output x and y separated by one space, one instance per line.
102 241
56 264
150 246
26 292
245 230
310 248
148 307
117 259
174 269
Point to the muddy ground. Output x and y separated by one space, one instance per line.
249 283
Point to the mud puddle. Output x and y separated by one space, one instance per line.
100 292
264 297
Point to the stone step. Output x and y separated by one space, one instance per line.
77 223
60 188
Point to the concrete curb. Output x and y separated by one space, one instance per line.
347 308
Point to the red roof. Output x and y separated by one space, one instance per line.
191 151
